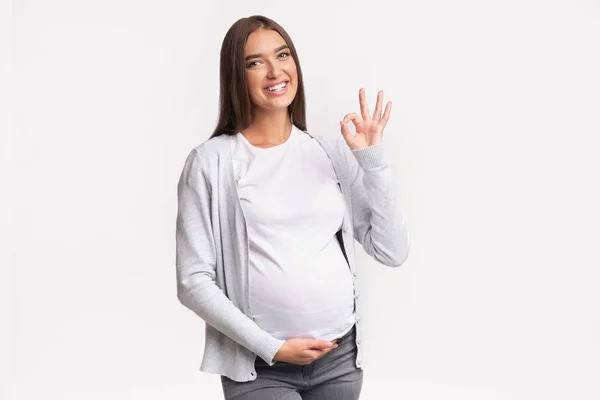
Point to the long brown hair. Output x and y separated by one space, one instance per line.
234 101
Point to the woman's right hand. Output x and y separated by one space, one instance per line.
303 351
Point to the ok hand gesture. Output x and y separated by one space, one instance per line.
369 131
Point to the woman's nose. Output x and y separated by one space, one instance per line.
274 70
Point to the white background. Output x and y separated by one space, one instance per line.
493 142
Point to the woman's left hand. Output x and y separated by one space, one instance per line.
369 130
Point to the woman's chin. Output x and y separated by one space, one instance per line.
272 106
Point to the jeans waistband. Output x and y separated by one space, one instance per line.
348 335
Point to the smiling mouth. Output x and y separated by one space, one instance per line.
277 88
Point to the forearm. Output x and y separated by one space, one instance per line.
203 297
379 223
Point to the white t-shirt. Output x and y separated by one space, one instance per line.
300 282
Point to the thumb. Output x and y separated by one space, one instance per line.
322 344
347 134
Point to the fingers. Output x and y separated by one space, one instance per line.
386 113
377 113
348 136
352 117
323 344
364 107
318 348
305 351
316 354
345 131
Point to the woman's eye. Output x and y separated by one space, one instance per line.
282 55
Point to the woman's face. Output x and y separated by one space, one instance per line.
271 72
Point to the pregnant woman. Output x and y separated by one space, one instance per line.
268 215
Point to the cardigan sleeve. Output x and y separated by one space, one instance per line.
196 266
378 222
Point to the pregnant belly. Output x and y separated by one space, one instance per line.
308 298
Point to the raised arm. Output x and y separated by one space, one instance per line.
378 222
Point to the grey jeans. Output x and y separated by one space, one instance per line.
332 377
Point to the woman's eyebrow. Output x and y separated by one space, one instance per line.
285 46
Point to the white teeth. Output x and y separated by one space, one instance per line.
277 87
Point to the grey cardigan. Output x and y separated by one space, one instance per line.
212 245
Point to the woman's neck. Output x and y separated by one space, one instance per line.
267 130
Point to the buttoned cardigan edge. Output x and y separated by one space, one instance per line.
212 245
